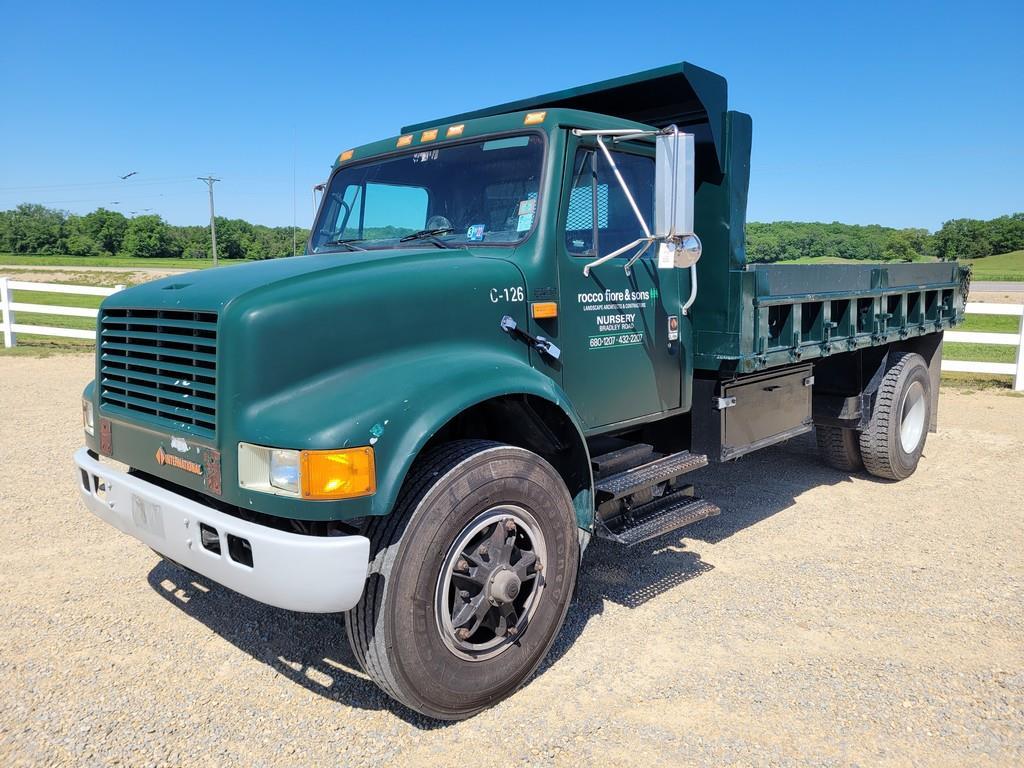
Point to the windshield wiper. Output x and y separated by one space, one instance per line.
350 243
429 234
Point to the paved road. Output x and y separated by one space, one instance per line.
988 287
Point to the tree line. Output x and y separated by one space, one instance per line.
35 229
956 239
32 228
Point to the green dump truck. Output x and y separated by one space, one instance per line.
513 330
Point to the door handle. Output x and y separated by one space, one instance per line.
542 345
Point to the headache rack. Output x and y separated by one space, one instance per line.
160 364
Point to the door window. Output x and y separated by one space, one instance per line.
599 218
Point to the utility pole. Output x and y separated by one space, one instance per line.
213 223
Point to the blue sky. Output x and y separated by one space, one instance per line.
903 114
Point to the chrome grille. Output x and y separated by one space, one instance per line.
162 363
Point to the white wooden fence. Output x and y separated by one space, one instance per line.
1013 339
8 308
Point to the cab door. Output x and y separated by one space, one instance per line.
619 330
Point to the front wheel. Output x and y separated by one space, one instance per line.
471 577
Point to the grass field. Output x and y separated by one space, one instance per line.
22 260
1005 267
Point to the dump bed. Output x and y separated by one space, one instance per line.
778 314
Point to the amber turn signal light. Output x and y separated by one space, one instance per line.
543 310
343 474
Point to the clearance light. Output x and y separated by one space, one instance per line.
532 118
455 130
428 135
340 474
544 310
346 155
404 141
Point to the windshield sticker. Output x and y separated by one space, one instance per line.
524 223
426 157
475 233
527 207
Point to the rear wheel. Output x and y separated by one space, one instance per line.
839 448
470 579
893 441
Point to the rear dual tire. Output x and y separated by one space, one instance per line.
470 579
839 448
891 444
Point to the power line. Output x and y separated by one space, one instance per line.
119 184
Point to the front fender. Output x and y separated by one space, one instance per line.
396 403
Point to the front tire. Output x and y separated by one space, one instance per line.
470 580
892 444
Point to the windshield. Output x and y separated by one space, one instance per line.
480 192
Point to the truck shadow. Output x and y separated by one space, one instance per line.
312 650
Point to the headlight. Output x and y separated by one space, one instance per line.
342 474
87 417
284 470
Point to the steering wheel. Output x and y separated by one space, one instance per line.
438 222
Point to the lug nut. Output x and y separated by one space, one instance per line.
510 525
462 633
538 567
464 594
512 631
482 550
462 565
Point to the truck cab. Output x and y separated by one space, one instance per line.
513 330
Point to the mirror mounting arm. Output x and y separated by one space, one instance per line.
647 241
681 247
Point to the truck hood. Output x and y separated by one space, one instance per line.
211 290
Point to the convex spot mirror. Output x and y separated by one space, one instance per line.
681 253
674 184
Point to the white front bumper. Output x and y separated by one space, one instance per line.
317 574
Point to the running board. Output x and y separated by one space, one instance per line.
664 515
648 475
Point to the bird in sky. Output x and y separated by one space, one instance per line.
128 174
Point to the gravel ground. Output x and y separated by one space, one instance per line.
822 619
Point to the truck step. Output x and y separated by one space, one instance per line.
664 515
630 456
647 475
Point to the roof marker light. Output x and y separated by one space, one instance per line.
346 155
404 141
455 130
428 135
532 118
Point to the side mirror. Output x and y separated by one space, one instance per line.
674 183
